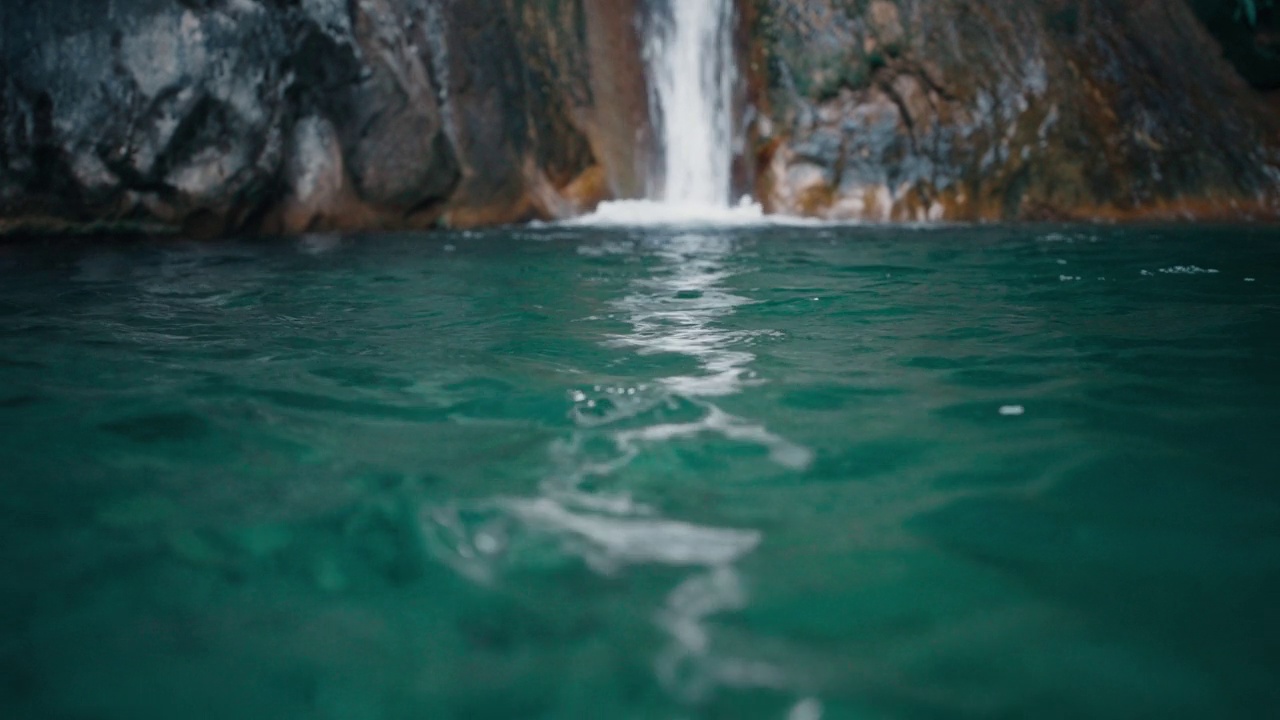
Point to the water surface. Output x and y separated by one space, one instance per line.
790 473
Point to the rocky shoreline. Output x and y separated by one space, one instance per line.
213 117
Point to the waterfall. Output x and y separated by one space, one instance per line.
691 70
692 74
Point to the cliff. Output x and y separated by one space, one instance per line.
227 116
1004 110
219 116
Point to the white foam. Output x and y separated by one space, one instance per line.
651 213
611 542
806 709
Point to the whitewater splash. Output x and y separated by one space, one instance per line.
625 213
692 73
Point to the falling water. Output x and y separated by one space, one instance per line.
692 73
691 69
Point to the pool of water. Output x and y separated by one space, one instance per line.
792 473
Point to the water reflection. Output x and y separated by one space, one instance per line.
676 311
680 308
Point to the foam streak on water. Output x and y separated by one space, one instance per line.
676 311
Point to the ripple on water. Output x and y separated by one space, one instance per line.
642 473
160 427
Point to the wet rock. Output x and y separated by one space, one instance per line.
1002 109
220 116
247 115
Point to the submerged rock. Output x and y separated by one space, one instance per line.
1004 109
222 116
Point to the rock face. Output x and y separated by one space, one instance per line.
291 115
222 116
1003 109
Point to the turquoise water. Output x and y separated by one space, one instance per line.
791 473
